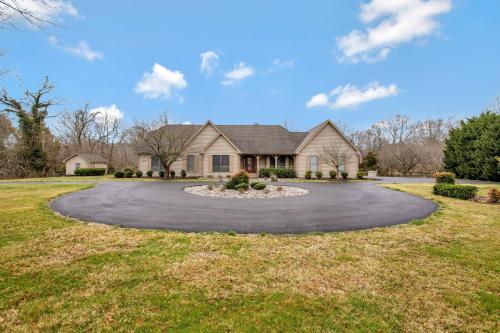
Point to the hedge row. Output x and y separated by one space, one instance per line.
464 192
278 172
90 172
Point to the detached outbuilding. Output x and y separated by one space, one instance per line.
84 160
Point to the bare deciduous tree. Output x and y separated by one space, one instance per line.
13 10
404 158
398 129
77 129
333 155
160 139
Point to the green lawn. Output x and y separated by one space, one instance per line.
438 274
93 179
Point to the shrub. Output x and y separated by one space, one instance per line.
319 174
279 188
493 195
265 172
90 172
210 187
344 174
229 185
285 172
138 173
240 177
162 174
149 173
260 186
128 169
172 173
128 174
444 177
464 192
119 174
308 174
243 186
274 178
280 172
252 184
360 174
183 173
333 174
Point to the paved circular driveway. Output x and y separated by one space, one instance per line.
161 205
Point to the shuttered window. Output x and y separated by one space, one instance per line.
190 163
156 164
313 161
220 163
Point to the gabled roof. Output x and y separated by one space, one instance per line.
91 158
260 139
315 130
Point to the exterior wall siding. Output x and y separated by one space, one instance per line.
71 164
220 147
327 135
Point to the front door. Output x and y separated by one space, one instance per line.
250 164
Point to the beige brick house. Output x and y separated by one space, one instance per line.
84 160
215 150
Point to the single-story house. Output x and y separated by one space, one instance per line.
220 150
84 160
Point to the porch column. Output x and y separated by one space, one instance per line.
257 166
268 163
286 162
276 161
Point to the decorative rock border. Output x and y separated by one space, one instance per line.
271 191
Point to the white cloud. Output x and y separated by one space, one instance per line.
161 82
350 96
208 62
46 10
317 100
110 112
281 65
186 123
240 72
82 49
394 22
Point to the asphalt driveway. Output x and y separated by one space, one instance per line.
161 205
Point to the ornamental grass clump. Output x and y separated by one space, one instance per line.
493 196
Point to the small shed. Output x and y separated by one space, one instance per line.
84 160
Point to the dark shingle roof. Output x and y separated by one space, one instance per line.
91 158
262 139
253 139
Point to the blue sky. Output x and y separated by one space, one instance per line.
355 62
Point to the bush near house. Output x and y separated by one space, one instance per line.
279 172
128 174
229 185
444 177
138 173
333 174
344 175
319 174
128 169
172 173
183 173
260 186
360 174
240 177
149 173
119 174
90 172
308 174
464 192
241 186
162 174
252 184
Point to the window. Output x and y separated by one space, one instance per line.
77 166
341 164
271 161
281 162
313 161
156 164
190 163
220 163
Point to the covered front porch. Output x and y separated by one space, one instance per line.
253 163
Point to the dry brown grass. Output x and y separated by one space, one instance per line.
440 274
